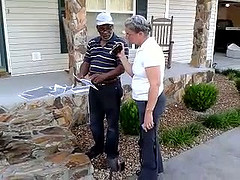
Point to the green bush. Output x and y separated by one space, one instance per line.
200 97
180 136
232 76
231 72
129 118
223 120
237 81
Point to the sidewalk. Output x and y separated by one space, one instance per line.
224 62
218 159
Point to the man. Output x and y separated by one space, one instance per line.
104 69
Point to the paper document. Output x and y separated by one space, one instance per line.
85 82
56 90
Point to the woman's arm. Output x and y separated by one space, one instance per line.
126 64
153 75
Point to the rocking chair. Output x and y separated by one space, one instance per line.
162 31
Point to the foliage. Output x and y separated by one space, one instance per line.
237 81
233 75
231 72
224 120
129 118
180 136
200 97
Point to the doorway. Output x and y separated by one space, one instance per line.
3 59
228 25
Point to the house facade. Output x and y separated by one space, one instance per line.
32 35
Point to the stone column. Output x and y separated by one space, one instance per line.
76 33
201 31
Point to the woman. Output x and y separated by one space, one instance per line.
147 73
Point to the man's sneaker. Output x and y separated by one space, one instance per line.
92 153
115 164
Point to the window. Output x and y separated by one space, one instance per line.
120 11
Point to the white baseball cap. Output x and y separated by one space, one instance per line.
104 18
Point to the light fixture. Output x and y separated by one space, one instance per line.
227 5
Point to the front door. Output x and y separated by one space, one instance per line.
3 61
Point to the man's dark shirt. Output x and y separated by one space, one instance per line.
99 58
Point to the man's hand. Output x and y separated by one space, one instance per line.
80 76
98 78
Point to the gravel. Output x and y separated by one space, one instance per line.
175 115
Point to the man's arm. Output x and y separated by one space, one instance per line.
84 68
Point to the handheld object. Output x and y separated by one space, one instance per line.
116 49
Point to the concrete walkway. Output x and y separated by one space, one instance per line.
224 62
218 159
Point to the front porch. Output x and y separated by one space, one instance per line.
11 87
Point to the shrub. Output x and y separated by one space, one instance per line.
223 120
179 136
231 72
200 97
129 118
237 81
232 76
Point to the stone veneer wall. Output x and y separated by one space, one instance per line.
36 140
174 87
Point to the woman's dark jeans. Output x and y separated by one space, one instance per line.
150 156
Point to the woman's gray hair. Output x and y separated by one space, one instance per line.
138 23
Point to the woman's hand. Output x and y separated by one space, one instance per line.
148 121
122 53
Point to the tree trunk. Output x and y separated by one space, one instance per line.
76 33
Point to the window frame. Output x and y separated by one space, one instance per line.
108 9
61 13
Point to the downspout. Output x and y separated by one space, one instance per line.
166 14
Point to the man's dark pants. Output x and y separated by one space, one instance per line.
105 102
150 155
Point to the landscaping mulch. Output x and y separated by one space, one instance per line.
175 115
